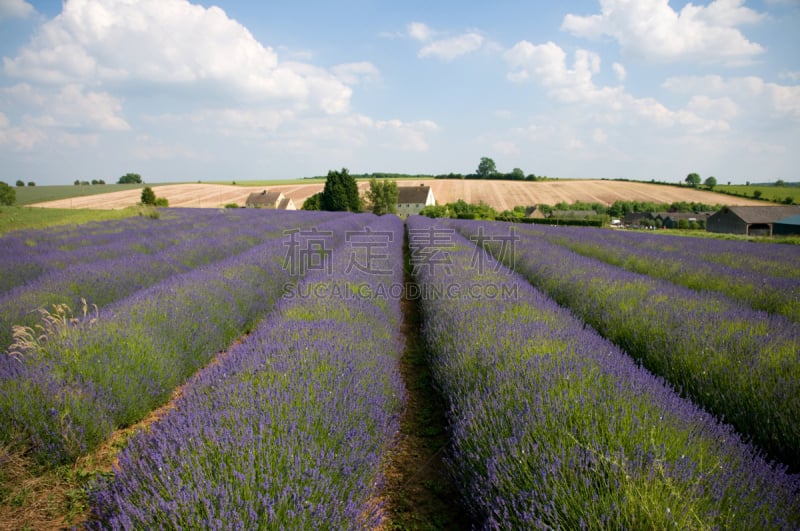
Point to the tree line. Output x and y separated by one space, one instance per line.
341 194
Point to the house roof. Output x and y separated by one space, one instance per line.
685 215
284 204
635 216
412 194
791 220
264 198
534 212
762 214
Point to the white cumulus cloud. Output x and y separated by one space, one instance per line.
749 93
168 42
355 73
419 31
620 72
547 65
449 49
15 9
653 30
407 136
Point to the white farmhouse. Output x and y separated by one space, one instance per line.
412 199
273 200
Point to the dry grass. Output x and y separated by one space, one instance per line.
501 195
35 498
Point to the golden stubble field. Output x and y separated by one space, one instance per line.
501 195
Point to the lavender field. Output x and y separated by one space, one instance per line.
592 379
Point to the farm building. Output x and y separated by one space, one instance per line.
787 226
635 218
412 199
671 220
534 212
274 200
751 220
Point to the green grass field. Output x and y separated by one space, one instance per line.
28 195
794 240
768 192
22 217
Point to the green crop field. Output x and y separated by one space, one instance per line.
28 195
767 192
21 217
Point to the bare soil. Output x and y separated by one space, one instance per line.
501 195
418 493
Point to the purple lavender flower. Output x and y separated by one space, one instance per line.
289 428
555 427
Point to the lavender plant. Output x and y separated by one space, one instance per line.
764 276
201 240
741 364
553 427
63 395
288 430
29 253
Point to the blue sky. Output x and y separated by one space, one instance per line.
239 90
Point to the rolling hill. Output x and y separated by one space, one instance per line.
501 195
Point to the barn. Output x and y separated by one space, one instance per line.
787 226
750 220
672 220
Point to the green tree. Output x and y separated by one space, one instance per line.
693 179
757 194
517 174
130 178
710 182
7 194
486 168
77 182
340 192
31 183
312 202
383 196
20 182
435 211
148 196
780 182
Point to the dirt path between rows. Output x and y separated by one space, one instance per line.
418 492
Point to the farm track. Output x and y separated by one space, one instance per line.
419 493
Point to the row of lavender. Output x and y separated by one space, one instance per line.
288 430
764 276
30 253
68 385
554 427
140 255
741 364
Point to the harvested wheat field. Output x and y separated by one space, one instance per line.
501 195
